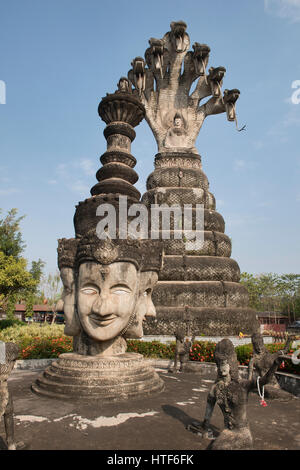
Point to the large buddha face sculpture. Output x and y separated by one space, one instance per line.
107 291
106 298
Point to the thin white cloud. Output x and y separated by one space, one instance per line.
89 167
79 187
285 9
241 165
292 118
77 176
9 191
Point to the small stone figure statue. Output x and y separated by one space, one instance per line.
10 353
176 135
260 363
231 394
182 350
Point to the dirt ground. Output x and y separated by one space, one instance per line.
154 423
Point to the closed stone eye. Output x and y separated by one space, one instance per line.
89 291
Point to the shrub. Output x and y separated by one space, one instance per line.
44 348
151 349
38 341
244 353
7 322
202 351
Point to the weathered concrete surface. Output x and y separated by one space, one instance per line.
155 423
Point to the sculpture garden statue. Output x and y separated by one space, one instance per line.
231 394
204 279
182 349
107 277
10 353
260 363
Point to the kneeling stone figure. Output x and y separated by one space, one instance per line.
231 394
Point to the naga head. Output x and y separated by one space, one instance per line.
154 55
139 76
230 97
200 57
178 35
215 78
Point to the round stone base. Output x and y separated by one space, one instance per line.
113 378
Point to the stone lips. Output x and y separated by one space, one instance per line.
108 379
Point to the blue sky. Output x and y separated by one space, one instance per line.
58 59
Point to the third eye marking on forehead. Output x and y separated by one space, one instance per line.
103 271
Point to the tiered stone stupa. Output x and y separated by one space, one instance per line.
199 287
108 280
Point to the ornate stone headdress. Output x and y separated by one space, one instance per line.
146 255
66 251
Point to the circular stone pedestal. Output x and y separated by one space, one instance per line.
111 378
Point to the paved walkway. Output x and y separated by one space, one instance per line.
155 423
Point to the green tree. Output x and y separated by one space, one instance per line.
14 278
16 281
289 285
264 293
11 243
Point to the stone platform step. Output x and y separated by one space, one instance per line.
74 376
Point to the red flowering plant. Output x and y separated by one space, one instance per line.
202 351
45 348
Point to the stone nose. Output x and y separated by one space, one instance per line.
151 311
101 305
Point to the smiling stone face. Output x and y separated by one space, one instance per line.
107 298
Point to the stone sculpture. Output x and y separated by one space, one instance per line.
11 352
182 349
231 394
205 280
107 277
261 362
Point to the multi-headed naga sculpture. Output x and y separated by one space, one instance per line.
163 82
199 286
